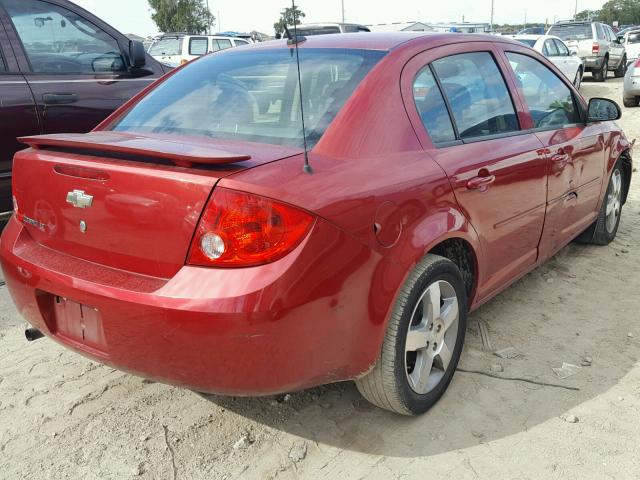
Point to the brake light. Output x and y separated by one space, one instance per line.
595 49
637 64
240 230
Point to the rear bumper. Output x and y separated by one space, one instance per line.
593 63
302 321
631 85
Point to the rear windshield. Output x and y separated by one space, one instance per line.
253 95
167 46
633 38
572 31
308 31
528 42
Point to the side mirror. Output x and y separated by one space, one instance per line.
603 110
137 55
573 53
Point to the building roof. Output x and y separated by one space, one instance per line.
400 26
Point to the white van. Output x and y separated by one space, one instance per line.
174 49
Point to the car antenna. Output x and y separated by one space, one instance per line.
295 40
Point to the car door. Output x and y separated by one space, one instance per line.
575 151
17 115
616 49
76 69
550 50
465 117
570 63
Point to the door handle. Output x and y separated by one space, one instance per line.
481 182
561 157
59 98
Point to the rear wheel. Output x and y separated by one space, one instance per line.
622 68
601 75
630 102
578 80
605 228
423 341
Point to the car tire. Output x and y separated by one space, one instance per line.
578 80
605 228
601 75
409 376
630 102
622 68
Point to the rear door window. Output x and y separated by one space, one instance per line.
198 45
550 49
477 94
549 99
633 38
432 108
223 44
57 41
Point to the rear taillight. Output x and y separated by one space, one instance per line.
637 64
595 49
240 230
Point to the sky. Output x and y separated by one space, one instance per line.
134 16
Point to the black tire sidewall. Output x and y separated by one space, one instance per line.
441 270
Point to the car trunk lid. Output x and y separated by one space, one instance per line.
119 199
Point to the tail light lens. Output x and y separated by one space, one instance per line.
595 49
637 64
240 230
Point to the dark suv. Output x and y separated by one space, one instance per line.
61 70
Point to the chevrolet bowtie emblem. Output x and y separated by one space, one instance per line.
79 199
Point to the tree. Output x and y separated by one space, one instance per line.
587 15
289 16
190 16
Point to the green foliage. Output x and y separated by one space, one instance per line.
625 12
190 16
288 16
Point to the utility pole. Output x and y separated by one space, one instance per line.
525 19
209 20
342 11
576 11
491 15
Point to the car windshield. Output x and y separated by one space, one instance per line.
527 41
633 37
253 95
167 46
572 31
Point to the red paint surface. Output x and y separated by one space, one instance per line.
318 314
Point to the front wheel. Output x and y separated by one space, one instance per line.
423 341
605 228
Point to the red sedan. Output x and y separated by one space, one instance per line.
183 239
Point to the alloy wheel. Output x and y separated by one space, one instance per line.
431 338
614 201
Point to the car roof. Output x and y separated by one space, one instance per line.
385 41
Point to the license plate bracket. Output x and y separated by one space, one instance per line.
78 323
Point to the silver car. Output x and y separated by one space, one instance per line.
631 90
597 45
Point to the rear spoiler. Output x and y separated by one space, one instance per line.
182 154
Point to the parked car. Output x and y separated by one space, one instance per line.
620 33
190 238
631 88
174 49
631 41
61 70
309 29
596 44
555 50
532 31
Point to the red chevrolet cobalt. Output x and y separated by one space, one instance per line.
187 240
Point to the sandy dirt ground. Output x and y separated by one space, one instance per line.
62 416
